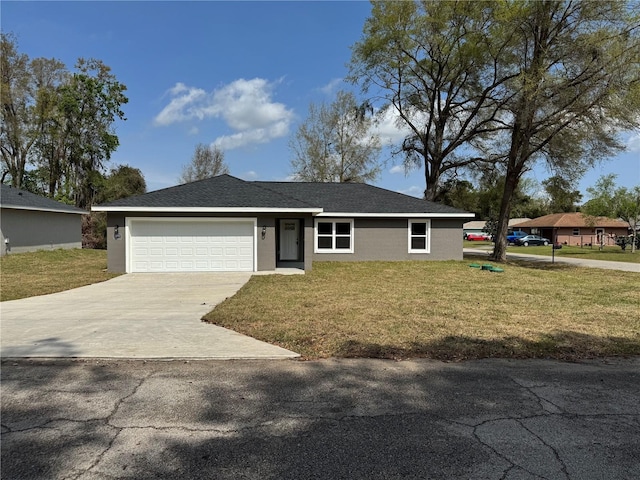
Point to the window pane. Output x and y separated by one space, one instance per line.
418 229
343 228
324 228
343 242
418 243
325 242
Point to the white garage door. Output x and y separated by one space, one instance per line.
191 246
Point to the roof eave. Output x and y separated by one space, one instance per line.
125 209
397 215
43 209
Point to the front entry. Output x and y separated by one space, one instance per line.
289 240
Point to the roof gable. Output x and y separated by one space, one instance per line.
18 199
223 191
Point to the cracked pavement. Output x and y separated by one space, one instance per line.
331 419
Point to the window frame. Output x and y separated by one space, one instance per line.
575 232
333 235
426 236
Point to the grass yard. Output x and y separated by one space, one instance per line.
476 244
611 253
443 310
38 273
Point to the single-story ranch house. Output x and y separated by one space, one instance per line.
576 229
29 222
227 224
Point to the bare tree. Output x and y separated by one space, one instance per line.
207 162
335 143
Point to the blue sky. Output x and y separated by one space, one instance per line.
241 74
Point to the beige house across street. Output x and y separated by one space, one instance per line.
576 229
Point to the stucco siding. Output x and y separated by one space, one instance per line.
374 239
267 245
31 230
387 239
446 239
116 247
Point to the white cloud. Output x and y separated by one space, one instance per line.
245 105
252 136
413 191
397 169
633 144
194 131
331 87
250 175
183 105
387 129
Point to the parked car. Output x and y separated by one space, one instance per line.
513 236
532 240
474 237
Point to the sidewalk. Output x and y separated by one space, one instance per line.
578 262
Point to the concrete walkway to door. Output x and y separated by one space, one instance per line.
139 315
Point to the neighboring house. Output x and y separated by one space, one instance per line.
514 223
474 226
576 229
29 222
477 226
227 224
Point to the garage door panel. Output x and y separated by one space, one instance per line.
158 246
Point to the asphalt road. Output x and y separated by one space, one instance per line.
334 419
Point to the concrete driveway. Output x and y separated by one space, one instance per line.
131 316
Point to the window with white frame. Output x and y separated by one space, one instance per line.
334 236
576 231
419 236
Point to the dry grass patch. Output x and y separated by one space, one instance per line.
39 273
440 310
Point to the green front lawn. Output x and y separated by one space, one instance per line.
444 310
39 273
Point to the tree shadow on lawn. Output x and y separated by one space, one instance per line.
563 345
534 264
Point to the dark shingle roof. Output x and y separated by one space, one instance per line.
225 191
357 198
22 200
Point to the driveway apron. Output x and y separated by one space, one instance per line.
137 315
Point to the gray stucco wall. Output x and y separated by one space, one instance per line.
116 256
267 245
375 239
31 230
387 239
266 248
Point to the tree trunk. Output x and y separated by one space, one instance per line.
432 177
500 241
